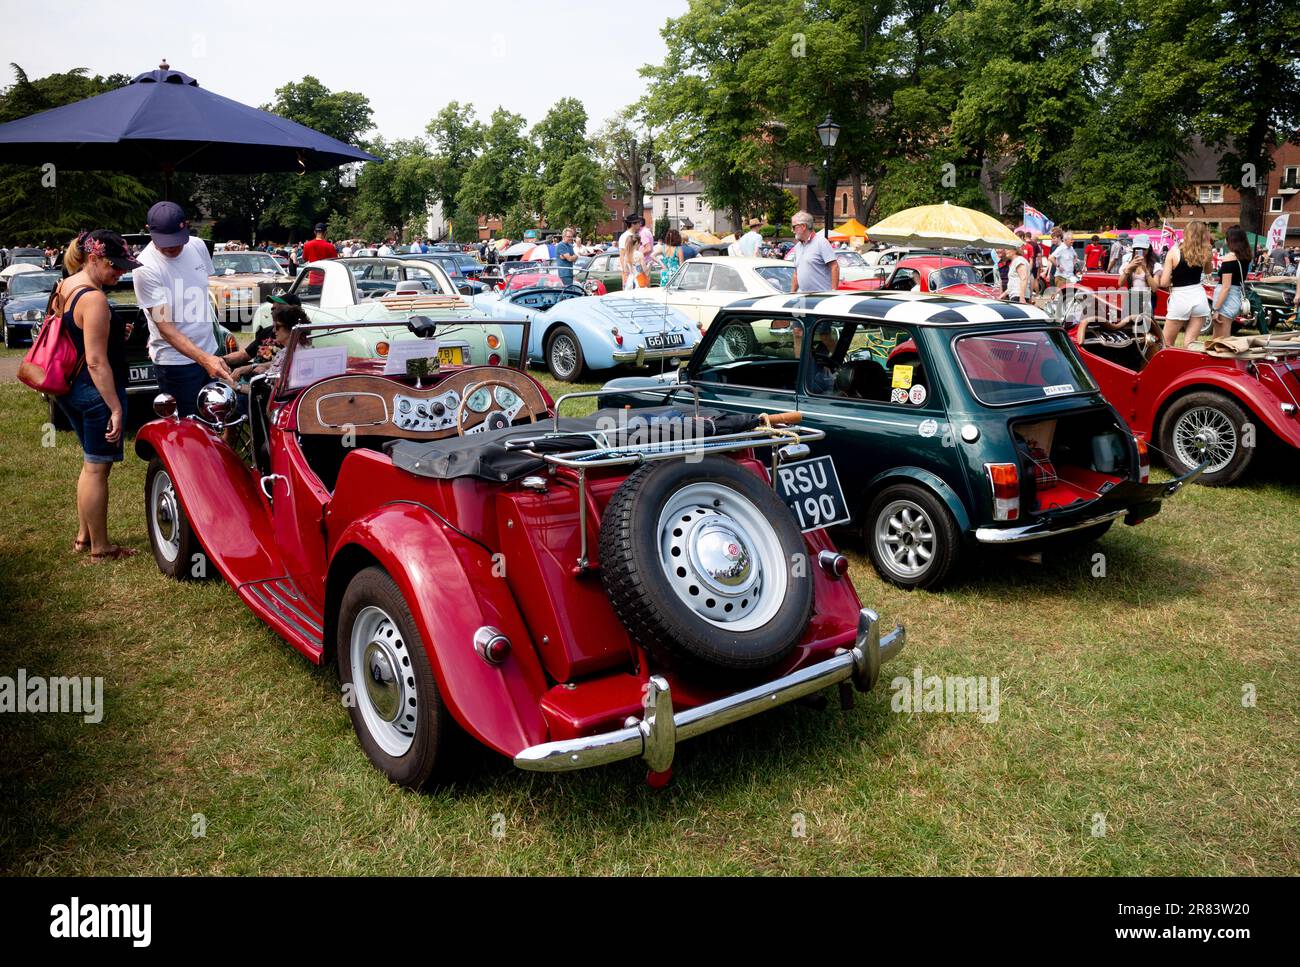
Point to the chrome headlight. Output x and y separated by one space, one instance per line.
217 405
28 315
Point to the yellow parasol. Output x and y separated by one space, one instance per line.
850 229
943 226
700 237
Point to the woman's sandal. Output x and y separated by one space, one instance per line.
116 554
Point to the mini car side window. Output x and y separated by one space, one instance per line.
752 352
869 362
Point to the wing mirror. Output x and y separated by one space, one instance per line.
422 327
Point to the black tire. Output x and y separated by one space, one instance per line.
770 598
924 524
58 418
176 549
428 757
564 359
1220 415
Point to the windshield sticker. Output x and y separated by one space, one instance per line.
1058 389
917 395
898 395
928 428
902 377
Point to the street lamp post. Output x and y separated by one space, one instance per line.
829 132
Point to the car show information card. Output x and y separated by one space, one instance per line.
400 350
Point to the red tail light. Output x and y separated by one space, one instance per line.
1004 478
618 336
1144 460
494 360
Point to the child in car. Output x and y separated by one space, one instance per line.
264 353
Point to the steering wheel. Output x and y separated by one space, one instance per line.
1114 324
494 407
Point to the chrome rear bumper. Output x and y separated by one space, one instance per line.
1034 532
641 354
654 738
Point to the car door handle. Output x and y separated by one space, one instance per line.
268 483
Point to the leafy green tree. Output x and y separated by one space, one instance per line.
39 205
628 156
297 202
457 139
393 194
517 220
491 185
577 197
1230 71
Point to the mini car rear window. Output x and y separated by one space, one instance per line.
1019 367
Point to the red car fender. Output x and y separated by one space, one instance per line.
1246 390
449 584
219 495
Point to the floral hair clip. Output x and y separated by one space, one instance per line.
91 246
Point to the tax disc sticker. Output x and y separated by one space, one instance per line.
917 394
928 428
898 395
902 377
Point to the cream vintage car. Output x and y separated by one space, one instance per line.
241 282
705 284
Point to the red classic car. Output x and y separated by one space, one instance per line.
1194 406
930 273
1107 285
569 592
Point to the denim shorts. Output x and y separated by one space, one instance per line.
1231 303
88 413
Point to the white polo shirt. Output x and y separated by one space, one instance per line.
182 285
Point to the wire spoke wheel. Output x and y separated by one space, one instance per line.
1205 433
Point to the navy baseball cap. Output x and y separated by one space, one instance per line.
168 225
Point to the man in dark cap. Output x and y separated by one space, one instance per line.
319 247
171 285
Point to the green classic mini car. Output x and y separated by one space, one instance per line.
951 423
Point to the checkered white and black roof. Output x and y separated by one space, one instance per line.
902 307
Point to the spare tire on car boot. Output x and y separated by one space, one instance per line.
701 562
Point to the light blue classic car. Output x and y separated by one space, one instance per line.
573 332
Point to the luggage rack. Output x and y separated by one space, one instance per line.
788 443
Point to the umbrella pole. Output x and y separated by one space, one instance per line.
167 182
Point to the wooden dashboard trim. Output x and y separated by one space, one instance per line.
387 388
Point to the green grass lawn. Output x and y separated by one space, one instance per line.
1120 695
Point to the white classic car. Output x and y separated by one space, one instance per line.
705 284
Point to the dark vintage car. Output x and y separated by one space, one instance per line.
453 265
954 423
568 591
23 303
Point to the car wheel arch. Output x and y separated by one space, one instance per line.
348 561
926 478
1185 389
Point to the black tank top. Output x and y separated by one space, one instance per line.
1234 269
116 338
1184 274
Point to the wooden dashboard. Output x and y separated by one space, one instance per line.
382 406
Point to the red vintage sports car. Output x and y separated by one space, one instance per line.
1217 404
930 273
569 592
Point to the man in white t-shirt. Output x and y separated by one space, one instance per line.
747 244
816 269
171 285
1064 259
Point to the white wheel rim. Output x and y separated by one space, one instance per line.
383 681
722 557
905 540
1208 425
164 516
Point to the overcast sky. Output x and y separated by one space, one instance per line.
408 58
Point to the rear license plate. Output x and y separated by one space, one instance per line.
665 340
140 374
450 356
811 489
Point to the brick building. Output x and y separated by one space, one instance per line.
1218 203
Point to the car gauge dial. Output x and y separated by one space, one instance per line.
480 400
506 398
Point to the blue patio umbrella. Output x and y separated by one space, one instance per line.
163 121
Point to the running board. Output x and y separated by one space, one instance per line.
279 602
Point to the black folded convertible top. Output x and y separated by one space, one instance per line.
484 455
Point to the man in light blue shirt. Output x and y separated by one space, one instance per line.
816 269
